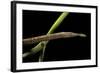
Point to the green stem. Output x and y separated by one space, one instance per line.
42 52
56 24
52 29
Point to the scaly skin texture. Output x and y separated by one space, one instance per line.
51 37
53 27
56 24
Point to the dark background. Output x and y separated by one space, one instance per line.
37 23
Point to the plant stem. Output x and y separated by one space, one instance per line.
58 22
39 47
52 29
42 52
54 26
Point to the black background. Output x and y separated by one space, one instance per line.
37 23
